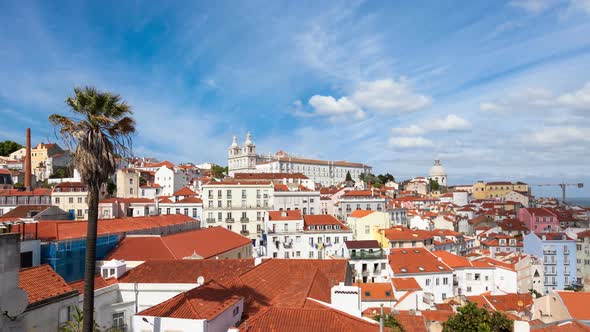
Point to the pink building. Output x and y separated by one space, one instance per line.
539 220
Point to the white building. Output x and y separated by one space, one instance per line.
172 179
360 200
244 159
296 198
438 173
292 235
433 275
367 260
239 207
479 276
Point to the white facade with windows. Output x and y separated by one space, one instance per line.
306 201
244 159
239 207
172 180
289 236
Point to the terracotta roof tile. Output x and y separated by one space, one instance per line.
360 213
206 243
43 283
285 215
25 211
187 271
415 260
322 219
269 176
576 303
99 283
204 302
405 284
377 291
185 191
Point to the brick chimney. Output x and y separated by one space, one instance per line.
28 162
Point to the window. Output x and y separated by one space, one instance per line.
219 216
445 281
244 228
367 229
298 254
229 227
469 289
167 210
79 200
236 311
228 204
71 200
444 295
79 212
178 211
259 228
57 200
427 282
194 212
438 281
477 276
311 254
119 320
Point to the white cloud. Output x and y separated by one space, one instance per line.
389 96
580 5
490 107
559 136
450 123
210 83
410 142
328 105
579 100
534 6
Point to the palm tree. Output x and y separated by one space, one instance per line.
100 129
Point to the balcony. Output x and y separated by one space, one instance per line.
230 220
566 262
550 273
244 233
237 207
210 220
367 255
549 252
549 262
288 244
366 273
244 219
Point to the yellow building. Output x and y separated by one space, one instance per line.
498 189
365 224
40 153
127 183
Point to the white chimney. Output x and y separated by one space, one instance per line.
347 299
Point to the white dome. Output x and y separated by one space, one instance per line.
437 170
234 144
248 140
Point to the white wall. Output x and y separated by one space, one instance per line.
167 324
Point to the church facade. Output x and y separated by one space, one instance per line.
244 159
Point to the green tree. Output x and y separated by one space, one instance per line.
471 318
100 129
384 178
390 322
434 186
377 185
111 187
18 185
348 177
8 147
219 172
142 181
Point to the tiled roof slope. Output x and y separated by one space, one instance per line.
187 271
43 283
99 283
204 302
577 304
206 242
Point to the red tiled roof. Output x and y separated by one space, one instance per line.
322 219
185 191
24 211
405 284
285 215
377 291
319 318
187 271
363 193
204 302
99 283
160 164
415 260
406 234
43 283
265 285
561 326
64 230
281 187
34 192
206 243
70 187
236 183
360 213
189 200
540 212
411 322
576 304
437 315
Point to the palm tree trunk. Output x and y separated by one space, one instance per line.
90 264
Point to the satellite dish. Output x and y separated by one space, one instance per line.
200 280
14 302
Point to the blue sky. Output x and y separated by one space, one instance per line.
496 89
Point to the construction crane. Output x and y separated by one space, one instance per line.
563 185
